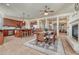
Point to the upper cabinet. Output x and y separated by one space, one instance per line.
12 23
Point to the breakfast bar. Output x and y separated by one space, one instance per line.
23 32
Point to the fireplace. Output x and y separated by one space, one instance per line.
75 32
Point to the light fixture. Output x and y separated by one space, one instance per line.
45 13
7 4
76 9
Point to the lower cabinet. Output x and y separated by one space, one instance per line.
1 38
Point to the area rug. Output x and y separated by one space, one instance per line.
56 49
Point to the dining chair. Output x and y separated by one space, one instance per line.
52 38
39 37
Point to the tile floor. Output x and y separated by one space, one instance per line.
67 48
15 46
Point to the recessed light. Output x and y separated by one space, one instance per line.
45 13
7 4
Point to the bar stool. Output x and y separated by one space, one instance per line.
30 32
22 34
26 32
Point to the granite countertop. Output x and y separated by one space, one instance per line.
12 29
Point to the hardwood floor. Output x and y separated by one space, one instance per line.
67 48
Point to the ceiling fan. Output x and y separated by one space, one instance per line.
46 10
76 6
76 9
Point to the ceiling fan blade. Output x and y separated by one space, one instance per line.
51 11
48 8
46 11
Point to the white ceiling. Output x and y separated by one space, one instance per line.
33 9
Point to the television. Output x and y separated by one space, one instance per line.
75 31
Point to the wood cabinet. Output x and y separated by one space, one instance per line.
8 32
18 33
10 22
5 32
13 23
1 38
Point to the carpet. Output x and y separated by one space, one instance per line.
56 49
